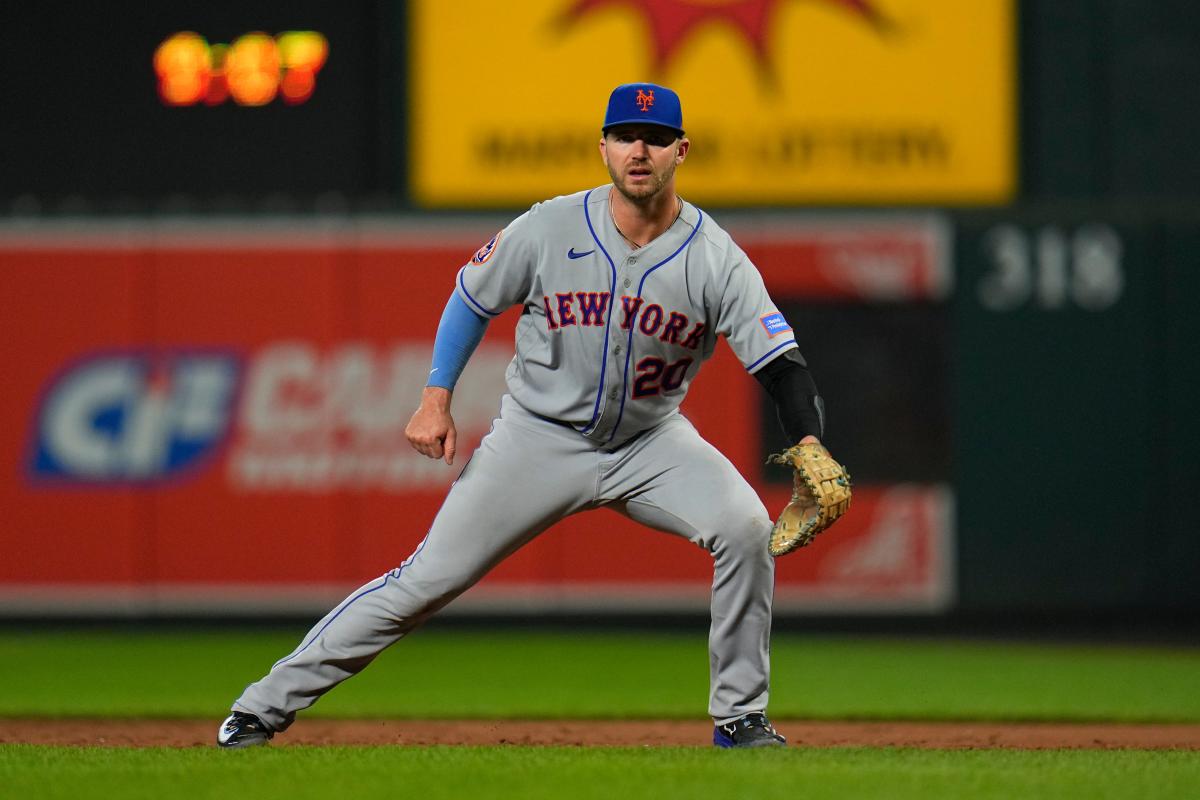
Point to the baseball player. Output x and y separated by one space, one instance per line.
624 290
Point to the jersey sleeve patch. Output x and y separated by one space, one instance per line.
775 324
484 253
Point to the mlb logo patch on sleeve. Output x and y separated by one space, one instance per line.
485 252
775 324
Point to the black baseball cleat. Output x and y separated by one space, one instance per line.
752 730
243 730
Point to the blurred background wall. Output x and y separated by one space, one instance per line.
226 235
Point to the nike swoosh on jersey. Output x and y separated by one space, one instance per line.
572 254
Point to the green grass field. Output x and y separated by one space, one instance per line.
579 774
646 675
466 674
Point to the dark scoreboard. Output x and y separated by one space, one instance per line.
195 107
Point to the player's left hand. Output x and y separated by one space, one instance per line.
820 495
431 429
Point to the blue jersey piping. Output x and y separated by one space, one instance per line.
629 348
771 352
482 308
612 300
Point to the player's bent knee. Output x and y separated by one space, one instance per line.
742 533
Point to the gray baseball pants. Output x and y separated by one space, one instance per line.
527 474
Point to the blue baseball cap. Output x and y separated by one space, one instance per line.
646 104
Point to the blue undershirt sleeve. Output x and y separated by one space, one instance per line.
458 334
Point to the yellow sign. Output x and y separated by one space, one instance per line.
785 101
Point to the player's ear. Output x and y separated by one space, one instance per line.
681 149
603 152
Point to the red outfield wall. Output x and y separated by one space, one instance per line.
211 419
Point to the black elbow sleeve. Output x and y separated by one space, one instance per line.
800 408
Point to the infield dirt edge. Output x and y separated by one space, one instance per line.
597 733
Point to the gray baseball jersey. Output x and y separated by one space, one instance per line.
609 339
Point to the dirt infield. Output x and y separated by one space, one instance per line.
592 733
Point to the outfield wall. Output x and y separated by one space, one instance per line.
208 417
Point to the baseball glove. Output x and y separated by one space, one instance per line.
820 495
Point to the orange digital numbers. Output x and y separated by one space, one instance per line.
252 70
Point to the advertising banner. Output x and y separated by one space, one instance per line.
786 102
211 419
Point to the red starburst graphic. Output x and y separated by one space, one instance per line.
670 22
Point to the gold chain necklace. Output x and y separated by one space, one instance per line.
632 243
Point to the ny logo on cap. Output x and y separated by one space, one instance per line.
645 100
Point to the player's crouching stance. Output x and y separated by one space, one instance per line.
625 289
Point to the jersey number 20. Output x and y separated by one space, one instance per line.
656 376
